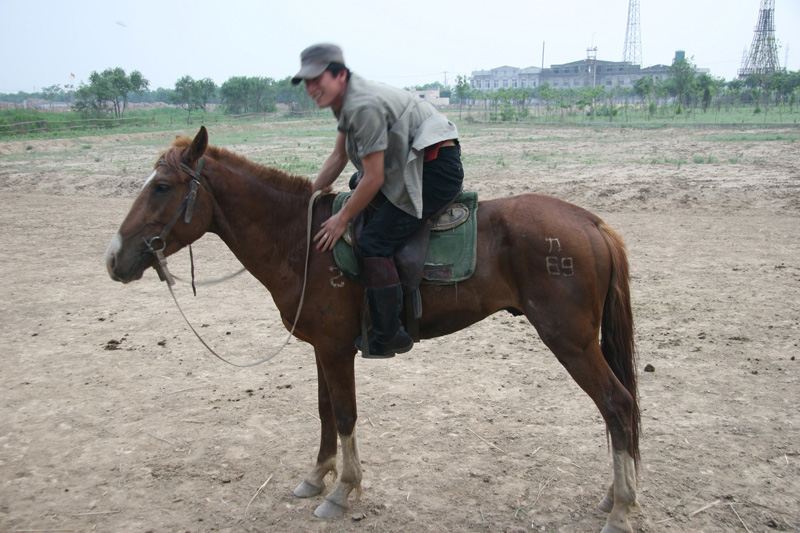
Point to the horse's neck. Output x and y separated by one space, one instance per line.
262 225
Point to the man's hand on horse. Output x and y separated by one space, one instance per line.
330 232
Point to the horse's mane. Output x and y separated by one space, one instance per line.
272 176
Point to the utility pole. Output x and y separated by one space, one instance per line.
543 55
591 62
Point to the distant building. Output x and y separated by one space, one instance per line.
505 77
431 96
589 72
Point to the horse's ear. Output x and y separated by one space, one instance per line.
198 147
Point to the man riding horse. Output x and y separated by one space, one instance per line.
408 161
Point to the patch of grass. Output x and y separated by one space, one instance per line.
700 160
752 137
533 157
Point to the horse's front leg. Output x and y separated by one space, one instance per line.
340 376
314 483
336 503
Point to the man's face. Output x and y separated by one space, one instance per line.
327 90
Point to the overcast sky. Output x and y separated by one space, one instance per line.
400 43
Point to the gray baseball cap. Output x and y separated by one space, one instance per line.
315 59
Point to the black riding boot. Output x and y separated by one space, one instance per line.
385 300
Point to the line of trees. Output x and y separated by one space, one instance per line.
109 93
684 91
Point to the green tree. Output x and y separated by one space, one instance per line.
248 95
682 74
733 92
755 82
233 94
122 85
52 93
261 95
109 91
462 91
547 94
590 96
294 96
207 91
706 88
187 94
95 97
643 88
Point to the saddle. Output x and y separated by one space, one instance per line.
442 251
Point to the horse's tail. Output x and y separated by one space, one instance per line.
616 330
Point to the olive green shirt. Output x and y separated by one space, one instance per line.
377 117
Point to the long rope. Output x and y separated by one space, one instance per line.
299 307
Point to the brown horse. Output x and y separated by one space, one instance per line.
559 265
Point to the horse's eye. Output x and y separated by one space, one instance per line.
162 187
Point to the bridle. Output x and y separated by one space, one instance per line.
186 208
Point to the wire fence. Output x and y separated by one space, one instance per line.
46 126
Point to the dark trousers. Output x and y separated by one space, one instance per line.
442 180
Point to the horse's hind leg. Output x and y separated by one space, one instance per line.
314 483
590 370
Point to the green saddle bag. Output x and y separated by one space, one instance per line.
452 251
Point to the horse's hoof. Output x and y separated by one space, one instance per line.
608 528
606 504
307 490
329 509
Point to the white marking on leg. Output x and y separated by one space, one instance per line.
624 493
351 464
336 503
314 483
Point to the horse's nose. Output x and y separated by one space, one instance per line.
110 263
111 257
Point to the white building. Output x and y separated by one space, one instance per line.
431 96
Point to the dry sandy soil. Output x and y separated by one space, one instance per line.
114 418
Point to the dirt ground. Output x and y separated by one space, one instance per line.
114 418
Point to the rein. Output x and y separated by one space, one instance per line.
187 206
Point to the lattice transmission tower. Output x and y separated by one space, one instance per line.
763 55
633 36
